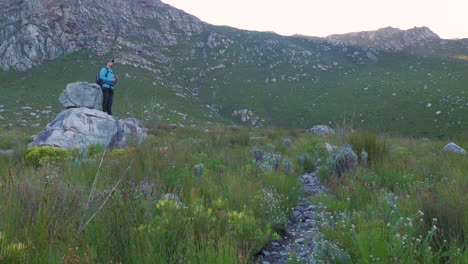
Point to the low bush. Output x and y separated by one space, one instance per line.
39 156
342 161
368 142
306 162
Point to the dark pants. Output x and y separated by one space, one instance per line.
108 94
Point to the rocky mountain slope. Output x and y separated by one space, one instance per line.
389 39
176 68
415 41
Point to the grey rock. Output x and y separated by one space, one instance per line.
174 198
78 128
330 148
129 129
321 130
81 127
452 147
81 94
275 244
300 240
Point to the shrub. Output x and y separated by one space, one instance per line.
94 149
342 161
287 142
239 138
39 156
247 229
265 161
306 162
199 170
270 162
272 207
287 166
344 130
365 141
257 153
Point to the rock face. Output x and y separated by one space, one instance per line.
129 129
35 31
81 94
81 127
452 147
322 130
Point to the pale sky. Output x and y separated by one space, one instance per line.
447 18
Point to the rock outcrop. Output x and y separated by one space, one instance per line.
246 116
81 126
322 130
454 148
81 94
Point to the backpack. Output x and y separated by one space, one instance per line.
100 81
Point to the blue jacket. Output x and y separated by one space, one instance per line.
108 83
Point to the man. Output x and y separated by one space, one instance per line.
109 80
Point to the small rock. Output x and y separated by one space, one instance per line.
300 240
321 130
330 148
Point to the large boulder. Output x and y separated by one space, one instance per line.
129 129
452 147
81 127
321 130
81 94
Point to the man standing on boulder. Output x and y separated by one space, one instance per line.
109 79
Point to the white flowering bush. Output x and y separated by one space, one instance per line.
272 205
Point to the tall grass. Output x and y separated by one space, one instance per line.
218 218
410 206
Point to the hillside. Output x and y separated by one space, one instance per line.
178 69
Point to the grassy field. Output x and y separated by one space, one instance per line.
189 196
399 95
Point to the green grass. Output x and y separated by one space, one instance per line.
222 218
390 95
408 207
236 206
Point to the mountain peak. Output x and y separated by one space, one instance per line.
388 38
